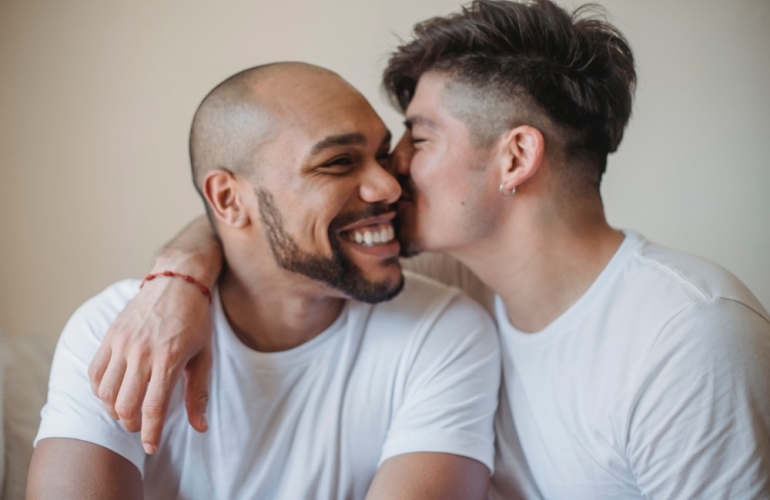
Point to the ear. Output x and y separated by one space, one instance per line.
222 191
523 149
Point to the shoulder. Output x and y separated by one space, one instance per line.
685 280
691 305
91 320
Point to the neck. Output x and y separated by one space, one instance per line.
541 265
271 309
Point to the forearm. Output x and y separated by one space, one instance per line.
195 251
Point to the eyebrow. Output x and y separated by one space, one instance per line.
411 121
352 139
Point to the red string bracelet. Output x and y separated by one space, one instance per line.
185 277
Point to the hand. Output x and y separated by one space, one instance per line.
163 331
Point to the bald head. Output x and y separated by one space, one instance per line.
244 112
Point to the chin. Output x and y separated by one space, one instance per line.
374 292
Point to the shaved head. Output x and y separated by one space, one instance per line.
309 156
241 114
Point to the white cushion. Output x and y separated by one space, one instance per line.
28 362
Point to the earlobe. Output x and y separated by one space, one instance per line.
523 150
222 192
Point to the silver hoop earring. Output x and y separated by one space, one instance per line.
502 191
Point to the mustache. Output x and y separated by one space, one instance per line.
372 210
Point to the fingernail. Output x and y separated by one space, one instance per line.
204 422
148 448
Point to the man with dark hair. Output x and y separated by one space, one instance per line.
320 393
629 370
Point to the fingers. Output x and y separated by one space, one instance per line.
110 385
196 390
128 405
155 405
98 366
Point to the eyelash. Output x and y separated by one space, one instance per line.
346 161
340 161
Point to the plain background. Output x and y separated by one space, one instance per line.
96 100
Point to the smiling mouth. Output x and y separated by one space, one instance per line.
372 235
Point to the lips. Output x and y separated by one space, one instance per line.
371 231
373 235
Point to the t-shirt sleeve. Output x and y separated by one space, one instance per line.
72 410
450 393
700 424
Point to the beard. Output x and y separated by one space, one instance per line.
337 270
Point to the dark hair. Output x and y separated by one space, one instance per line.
577 70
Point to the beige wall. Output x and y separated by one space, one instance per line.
96 99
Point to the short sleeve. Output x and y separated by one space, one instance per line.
72 410
451 390
700 424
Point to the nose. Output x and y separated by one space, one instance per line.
379 185
401 158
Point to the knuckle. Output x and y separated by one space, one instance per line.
142 351
173 351
106 394
124 410
198 398
170 358
93 372
131 425
153 409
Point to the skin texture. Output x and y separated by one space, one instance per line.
322 186
68 468
429 474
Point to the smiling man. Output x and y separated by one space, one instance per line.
317 393
629 370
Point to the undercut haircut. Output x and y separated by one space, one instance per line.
571 76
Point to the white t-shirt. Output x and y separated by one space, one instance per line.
655 384
417 374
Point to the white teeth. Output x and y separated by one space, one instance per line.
370 238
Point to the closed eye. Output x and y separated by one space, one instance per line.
340 161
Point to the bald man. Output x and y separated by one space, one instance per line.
322 387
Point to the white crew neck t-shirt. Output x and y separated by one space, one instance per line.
419 373
655 384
